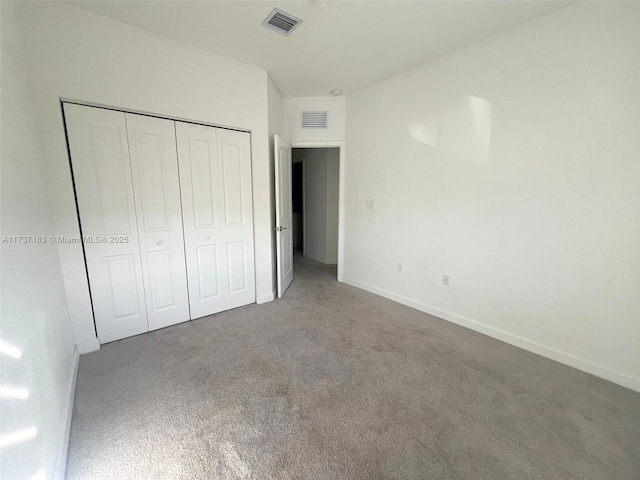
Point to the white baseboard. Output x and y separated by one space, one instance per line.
88 347
266 298
63 446
510 338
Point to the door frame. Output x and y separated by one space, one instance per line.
341 145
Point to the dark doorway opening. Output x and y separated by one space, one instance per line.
297 206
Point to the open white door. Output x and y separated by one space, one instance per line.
284 225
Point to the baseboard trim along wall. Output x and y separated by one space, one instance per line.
88 347
63 447
317 258
515 340
266 298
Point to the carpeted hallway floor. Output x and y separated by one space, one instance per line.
332 382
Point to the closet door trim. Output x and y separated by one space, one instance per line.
69 101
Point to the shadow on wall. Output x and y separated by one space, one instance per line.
461 130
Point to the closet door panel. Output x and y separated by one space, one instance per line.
123 286
102 176
202 203
234 194
154 166
234 150
237 266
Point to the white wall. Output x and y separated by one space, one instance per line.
31 289
315 207
333 174
275 127
79 55
513 166
336 123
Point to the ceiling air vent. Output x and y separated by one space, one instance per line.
281 22
314 119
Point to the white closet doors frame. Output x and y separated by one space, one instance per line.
156 188
118 275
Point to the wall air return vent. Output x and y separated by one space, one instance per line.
314 120
281 22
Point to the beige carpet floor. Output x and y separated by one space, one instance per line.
332 382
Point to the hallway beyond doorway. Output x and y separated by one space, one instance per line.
315 203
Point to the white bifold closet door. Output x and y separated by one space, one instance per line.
166 213
215 180
126 180
156 188
102 177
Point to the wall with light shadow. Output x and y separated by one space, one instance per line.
513 166
36 341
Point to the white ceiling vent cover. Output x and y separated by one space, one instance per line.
314 120
281 22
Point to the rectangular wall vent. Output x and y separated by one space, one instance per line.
281 22
314 120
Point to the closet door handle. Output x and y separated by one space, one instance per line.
207 238
160 242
